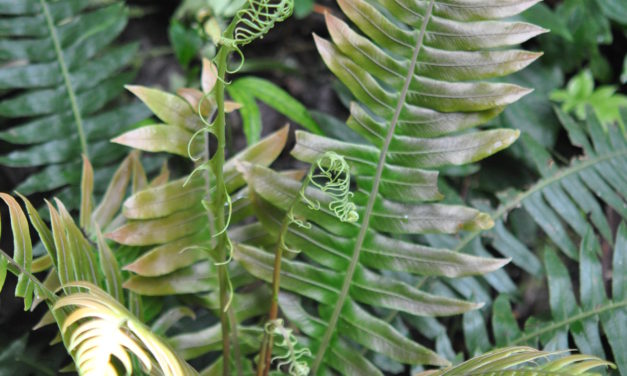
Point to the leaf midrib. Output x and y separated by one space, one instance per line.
66 76
583 315
324 343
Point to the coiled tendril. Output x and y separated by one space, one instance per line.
255 21
332 176
292 355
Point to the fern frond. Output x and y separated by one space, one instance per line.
69 255
414 72
515 361
99 329
586 318
567 200
59 74
170 218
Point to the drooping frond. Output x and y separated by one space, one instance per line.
59 76
522 361
72 257
99 329
415 75
69 254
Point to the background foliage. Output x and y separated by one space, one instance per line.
557 196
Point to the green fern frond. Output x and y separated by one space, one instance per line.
565 203
69 255
414 72
587 319
569 199
170 218
59 76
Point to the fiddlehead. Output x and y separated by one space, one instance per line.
258 18
331 174
292 356
255 21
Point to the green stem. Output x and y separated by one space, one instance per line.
374 193
570 320
217 205
78 119
539 186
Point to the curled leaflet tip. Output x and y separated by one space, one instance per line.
231 294
199 111
191 141
228 218
229 246
241 63
227 71
202 167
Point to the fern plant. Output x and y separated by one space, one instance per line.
515 361
582 321
567 200
342 236
96 326
58 78
170 221
407 73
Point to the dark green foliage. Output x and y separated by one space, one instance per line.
60 76
185 42
359 293
249 89
587 318
566 200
